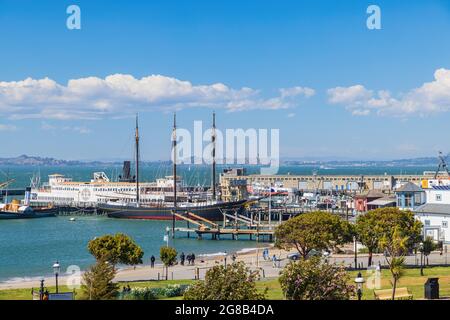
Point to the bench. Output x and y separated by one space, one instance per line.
386 294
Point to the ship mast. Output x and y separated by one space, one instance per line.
213 140
137 161
174 148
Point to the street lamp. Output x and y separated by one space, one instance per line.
359 280
166 237
56 269
421 258
326 254
356 252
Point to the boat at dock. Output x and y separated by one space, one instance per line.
15 210
129 198
213 212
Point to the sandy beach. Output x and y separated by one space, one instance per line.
252 257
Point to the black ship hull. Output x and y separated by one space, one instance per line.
41 213
211 212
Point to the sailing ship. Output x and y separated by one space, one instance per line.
170 195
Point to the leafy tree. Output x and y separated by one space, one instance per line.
315 280
168 256
367 232
234 282
98 282
118 248
314 230
426 248
398 232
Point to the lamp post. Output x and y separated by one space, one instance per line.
326 254
359 280
356 252
166 237
56 269
421 258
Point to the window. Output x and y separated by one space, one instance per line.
439 197
427 222
444 224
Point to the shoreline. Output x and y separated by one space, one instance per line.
143 272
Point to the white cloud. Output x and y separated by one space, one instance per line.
119 94
79 129
7 127
431 97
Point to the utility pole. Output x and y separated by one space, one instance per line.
174 148
213 173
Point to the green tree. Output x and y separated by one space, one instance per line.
234 282
116 249
427 246
398 232
367 233
314 230
98 282
315 280
168 256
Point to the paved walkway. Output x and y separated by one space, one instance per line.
253 260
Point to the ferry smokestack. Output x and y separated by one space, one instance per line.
27 196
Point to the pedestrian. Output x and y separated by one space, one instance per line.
274 261
152 261
188 258
193 258
182 258
233 257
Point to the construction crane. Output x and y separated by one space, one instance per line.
442 165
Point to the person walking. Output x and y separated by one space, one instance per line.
193 258
152 261
182 258
188 258
274 261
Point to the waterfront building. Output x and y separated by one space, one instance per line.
362 200
435 212
410 196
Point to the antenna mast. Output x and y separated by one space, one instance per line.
213 140
137 162
174 147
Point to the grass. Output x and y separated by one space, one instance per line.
412 280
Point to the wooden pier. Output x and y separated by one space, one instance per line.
241 226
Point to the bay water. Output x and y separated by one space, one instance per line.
28 248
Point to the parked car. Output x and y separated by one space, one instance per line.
313 253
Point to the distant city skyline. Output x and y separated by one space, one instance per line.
312 69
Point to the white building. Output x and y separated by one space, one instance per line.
435 213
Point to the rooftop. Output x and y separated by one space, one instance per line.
434 208
409 187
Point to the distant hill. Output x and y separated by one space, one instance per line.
25 160
419 162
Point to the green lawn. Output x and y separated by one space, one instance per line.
412 280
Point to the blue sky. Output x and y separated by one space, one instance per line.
378 94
